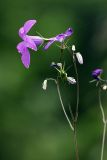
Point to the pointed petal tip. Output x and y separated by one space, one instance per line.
49 44
25 58
69 32
26 65
28 25
31 21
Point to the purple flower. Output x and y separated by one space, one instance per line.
28 42
59 38
96 73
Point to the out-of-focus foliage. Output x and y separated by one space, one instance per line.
32 124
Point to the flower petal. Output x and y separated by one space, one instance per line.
37 40
49 44
60 37
21 47
69 32
25 29
26 58
28 25
22 33
96 73
30 43
25 55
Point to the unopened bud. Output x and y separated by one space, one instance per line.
104 87
73 48
79 57
44 85
71 80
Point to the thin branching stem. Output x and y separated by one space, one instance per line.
77 104
60 98
103 140
104 124
77 83
63 108
75 142
77 80
101 107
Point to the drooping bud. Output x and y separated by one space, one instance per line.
104 87
44 85
71 80
79 57
73 48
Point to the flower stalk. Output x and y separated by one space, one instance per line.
63 108
77 80
77 101
104 124
77 84
75 141
61 101
76 113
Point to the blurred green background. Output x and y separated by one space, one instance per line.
32 124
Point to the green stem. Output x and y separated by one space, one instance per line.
103 141
63 108
101 107
76 72
60 98
104 124
77 80
77 104
75 142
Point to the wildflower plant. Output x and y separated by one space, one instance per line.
101 84
32 42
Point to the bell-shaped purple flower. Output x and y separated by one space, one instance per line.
96 73
31 42
59 38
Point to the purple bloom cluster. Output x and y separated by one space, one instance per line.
33 42
96 73
28 42
59 38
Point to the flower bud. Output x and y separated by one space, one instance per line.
71 80
44 85
59 65
56 65
79 57
96 73
104 87
73 48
